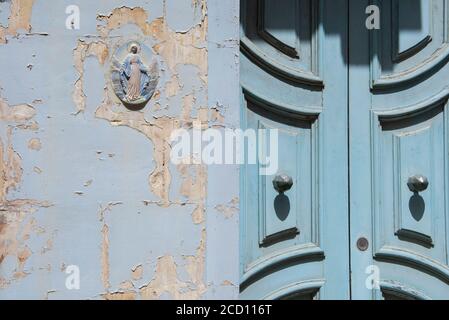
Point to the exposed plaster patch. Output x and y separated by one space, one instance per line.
105 268
216 116
18 113
35 144
127 285
126 292
175 48
195 264
105 257
15 230
188 101
123 16
202 3
158 132
228 283
137 272
130 295
173 87
22 257
19 19
32 125
10 167
230 209
16 223
203 117
166 280
157 95
81 52
194 187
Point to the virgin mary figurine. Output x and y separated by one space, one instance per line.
134 76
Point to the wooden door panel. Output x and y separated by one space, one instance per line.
281 228
398 122
283 216
412 41
294 245
281 37
282 34
410 227
411 37
389 87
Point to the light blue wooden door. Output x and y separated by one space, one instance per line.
294 79
398 120
363 133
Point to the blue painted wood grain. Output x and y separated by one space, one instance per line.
369 108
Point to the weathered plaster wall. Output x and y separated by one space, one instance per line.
86 182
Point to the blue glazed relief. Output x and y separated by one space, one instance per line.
135 75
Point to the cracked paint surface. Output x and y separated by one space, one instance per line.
16 215
19 19
87 182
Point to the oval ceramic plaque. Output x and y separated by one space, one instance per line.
134 74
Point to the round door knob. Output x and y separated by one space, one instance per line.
418 183
282 183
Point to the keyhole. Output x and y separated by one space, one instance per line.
363 244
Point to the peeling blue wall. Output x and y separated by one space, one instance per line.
79 180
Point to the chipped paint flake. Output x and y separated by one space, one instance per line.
137 272
230 209
82 51
105 257
166 280
194 187
173 87
16 223
35 144
19 19
18 113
